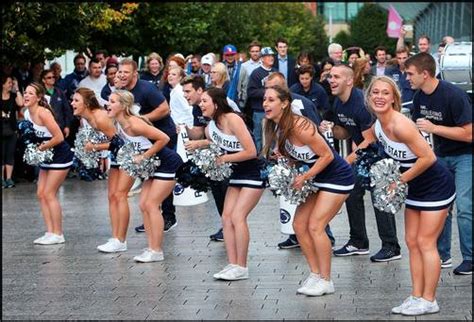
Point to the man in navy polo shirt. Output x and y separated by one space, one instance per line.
445 111
353 120
193 87
154 107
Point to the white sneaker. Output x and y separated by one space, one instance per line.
408 301
229 266
112 246
136 188
235 273
149 255
447 263
52 239
421 307
40 240
319 288
310 281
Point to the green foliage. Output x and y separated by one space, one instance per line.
46 30
368 29
343 38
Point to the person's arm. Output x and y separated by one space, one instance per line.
338 131
105 125
317 144
401 38
369 137
19 96
457 133
158 112
255 88
48 120
405 132
238 128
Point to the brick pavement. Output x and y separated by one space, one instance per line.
75 281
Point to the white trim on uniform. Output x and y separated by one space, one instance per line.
164 175
243 181
333 186
56 165
430 203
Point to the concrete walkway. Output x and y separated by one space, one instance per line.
75 281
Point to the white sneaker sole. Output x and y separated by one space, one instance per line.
354 253
111 251
387 259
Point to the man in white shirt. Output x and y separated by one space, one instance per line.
96 80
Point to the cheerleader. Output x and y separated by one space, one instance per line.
137 130
229 132
85 105
431 191
298 139
53 173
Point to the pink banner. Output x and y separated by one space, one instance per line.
394 23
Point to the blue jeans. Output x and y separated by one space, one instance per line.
257 128
461 167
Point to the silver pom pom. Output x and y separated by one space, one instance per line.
33 156
383 174
280 179
144 169
205 160
87 134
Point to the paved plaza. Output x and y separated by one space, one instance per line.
75 281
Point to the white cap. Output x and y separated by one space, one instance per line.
207 59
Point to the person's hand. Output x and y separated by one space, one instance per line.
325 126
15 88
66 132
192 145
42 146
138 158
299 182
221 159
89 147
403 32
425 125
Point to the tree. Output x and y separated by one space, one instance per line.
47 30
343 38
38 31
368 29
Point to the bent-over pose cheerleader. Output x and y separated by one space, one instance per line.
298 139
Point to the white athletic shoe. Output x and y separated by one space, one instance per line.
408 301
421 307
40 240
319 288
112 246
52 239
149 255
235 273
310 281
218 274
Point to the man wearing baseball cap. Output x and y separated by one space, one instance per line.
229 53
206 63
256 90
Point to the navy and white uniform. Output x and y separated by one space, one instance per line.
432 190
62 154
337 177
245 173
170 161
